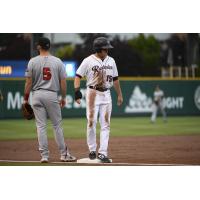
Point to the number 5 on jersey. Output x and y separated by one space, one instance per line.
46 73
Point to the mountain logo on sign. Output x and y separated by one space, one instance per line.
139 102
197 97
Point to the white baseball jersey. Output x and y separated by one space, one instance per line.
97 72
158 95
46 72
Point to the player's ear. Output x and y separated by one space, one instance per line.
105 50
38 47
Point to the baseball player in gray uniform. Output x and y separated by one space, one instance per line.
101 73
46 76
158 104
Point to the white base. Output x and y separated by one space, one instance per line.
78 161
88 161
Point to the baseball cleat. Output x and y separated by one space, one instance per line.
67 158
103 158
92 155
44 160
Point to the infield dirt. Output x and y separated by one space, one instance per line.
132 150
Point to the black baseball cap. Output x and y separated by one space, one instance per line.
102 43
44 43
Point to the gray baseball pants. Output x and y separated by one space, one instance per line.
46 104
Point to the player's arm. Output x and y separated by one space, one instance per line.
117 87
81 72
63 83
28 83
27 89
78 94
163 95
63 89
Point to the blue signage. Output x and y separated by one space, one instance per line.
70 67
16 68
12 68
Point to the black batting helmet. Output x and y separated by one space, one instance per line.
44 43
101 43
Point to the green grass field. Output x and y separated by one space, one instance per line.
76 128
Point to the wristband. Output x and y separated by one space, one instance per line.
26 96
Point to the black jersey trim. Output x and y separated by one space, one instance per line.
78 75
115 78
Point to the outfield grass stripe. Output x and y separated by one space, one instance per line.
129 126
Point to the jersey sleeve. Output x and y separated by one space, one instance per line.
82 70
28 72
62 71
115 71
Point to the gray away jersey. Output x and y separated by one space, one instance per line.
46 72
97 72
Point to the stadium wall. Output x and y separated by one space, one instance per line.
182 97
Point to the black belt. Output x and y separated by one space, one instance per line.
45 89
98 88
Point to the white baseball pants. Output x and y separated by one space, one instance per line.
98 104
155 109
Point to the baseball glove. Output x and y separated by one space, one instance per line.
156 102
27 111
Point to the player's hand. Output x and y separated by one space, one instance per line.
62 103
78 101
78 96
25 102
119 100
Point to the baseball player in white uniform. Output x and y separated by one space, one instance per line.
158 104
46 76
101 73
